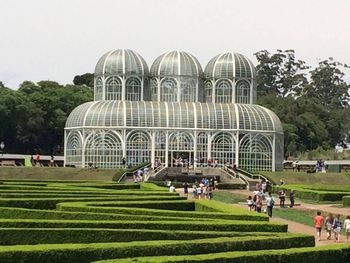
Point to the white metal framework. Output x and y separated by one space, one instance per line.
123 123
147 130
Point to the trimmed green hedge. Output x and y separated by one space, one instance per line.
231 186
18 236
141 219
324 254
99 251
346 200
245 226
50 203
24 213
235 213
306 192
178 205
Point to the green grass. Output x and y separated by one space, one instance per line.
56 173
300 216
228 197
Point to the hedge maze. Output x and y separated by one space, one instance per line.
110 222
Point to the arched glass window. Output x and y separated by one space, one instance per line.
104 150
160 146
223 148
188 90
133 89
168 90
113 89
98 89
154 89
74 147
208 86
223 91
181 148
138 148
255 153
242 92
202 148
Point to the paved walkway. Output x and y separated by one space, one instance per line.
294 227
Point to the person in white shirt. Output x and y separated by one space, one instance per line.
172 189
347 227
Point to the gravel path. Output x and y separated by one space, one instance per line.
294 227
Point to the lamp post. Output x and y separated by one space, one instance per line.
2 146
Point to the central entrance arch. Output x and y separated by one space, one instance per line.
181 148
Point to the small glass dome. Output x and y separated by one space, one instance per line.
229 65
121 62
230 78
121 75
176 76
176 63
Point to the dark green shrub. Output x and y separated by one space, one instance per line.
99 251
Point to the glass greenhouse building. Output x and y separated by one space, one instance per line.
174 110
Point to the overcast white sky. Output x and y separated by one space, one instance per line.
58 39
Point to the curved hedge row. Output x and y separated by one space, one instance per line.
96 251
335 253
316 193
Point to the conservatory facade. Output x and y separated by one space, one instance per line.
174 110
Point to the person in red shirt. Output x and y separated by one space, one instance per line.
318 220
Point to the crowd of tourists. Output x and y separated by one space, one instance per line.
332 225
200 190
262 196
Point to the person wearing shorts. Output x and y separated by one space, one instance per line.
318 220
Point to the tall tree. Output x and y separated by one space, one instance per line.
85 79
328 86
280 73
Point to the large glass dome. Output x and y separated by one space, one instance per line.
178 115
121 74
230 78
176 76
103 132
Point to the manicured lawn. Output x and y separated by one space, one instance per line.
228 197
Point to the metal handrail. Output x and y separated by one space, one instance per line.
251 175
131 172
159 169
230 171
